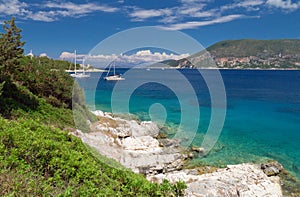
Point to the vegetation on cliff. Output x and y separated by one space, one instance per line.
37 155
247 53
258 48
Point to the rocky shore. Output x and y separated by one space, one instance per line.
137 145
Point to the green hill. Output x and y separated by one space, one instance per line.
247 53
259 48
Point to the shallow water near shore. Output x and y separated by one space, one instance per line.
262 120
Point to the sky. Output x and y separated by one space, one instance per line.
56 28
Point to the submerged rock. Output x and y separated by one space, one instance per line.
271 168
198 149
175 143
161 135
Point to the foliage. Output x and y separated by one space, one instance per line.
34 80
2 82
264 54
1 87
81 113
55 86
15 96
10 47
38 156
40 160
260 48
54 64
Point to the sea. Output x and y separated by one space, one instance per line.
261 111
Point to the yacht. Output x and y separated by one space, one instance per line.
113 77
79 74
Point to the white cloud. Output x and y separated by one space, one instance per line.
141 14
177 16
284 4
174 16
80 8
201 11
195 11
248 4
194 1
69 55
43 55
66 55
50 11
195 24
168 19
12 7
41 16
148 56
190 10
205 14
67 9
140 57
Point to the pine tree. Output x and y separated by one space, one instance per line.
1 87
10 47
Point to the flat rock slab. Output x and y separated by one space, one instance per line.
235 180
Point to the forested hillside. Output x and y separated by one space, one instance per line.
259 48
247 53
38 156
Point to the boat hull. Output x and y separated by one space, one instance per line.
114 78
80 75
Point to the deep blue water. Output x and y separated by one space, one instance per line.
262 118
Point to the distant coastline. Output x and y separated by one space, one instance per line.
208 68
244 54
88 70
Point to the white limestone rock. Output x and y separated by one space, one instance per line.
98 113
235 180
140 143
133 144
150 128
125 128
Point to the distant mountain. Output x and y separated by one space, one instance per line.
259 48
247 53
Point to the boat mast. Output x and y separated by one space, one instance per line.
83 65
114 68
75 61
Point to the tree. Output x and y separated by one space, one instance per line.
10 47
1 87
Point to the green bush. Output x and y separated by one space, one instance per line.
41 160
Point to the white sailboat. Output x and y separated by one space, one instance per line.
113 77
77 74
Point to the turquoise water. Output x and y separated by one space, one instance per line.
262 117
